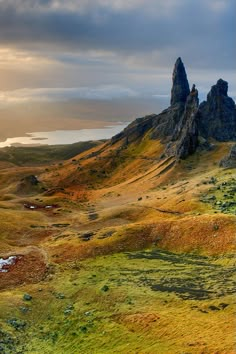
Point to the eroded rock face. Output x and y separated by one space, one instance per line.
135 130
180 88
164 124
230 160
184 125
184 141
217 115
187 139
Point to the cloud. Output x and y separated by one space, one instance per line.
120 43
201 31
65 94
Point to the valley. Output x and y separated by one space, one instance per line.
142 265
124 245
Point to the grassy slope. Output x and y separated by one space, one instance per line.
43 154
156 301
72 313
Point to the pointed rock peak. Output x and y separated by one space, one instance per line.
193 90
217 115
179 62
180 88
220 89
193 96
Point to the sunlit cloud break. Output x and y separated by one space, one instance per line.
104 92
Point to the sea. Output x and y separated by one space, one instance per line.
62 137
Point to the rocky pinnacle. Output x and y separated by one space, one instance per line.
217 115
180 88
185 125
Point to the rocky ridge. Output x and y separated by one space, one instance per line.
217 115
185 124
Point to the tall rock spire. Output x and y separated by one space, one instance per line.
217 118
180 88
185 125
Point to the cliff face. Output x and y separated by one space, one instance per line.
186 133
163 125
166 123
182 124
217 115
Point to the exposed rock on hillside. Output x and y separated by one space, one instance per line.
180 89
217 115
29 185
163 125
135 130
33 180
186 133
230 160
184 124
166 123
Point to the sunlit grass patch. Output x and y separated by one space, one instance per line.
112 304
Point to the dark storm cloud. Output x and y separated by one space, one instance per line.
201 31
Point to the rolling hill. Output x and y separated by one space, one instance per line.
125 246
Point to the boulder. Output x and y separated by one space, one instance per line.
229 161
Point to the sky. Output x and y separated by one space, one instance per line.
56 50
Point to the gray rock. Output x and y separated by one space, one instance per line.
105 288
187 139
180 88
163 125
184 141
229 161
31 180
134 130
16 323
27 297
185 126
217 115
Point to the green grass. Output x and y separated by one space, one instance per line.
221 194
136 302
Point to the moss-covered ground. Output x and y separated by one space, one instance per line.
151 301
138 260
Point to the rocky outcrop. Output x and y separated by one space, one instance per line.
187 131
135 130
29 185
163 125
185 125
180 89
31 179
184 141
217 115
230 160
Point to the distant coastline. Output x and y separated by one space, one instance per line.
63 137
